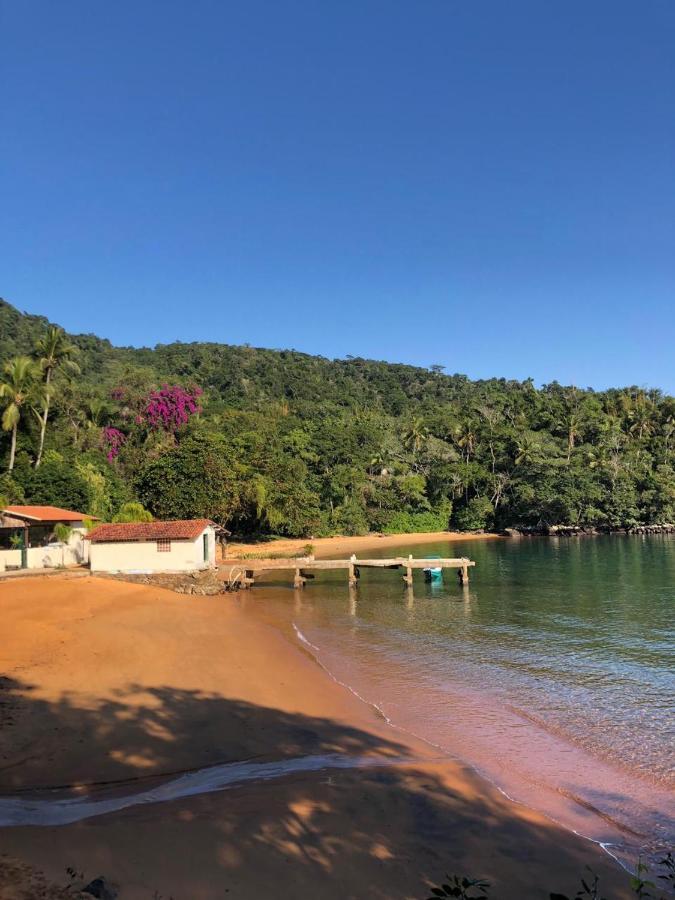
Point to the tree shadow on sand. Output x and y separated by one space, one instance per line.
383 832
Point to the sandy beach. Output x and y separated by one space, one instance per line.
332 546
109 686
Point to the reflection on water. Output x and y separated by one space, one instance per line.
552 671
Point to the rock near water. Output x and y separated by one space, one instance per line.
580 530
101 888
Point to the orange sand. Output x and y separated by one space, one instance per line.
110 681
331 546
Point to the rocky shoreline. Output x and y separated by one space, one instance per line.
582 530
204 582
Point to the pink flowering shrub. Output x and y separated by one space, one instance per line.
166 409
112 439
171 407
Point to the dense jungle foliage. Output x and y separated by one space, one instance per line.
269 441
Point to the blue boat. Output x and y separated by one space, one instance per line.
433 573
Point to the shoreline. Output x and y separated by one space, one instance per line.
343 543
120 682
329 546
560 807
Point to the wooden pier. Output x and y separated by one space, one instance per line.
303 566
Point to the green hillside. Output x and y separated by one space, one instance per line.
295 444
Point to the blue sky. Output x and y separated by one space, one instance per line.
486 185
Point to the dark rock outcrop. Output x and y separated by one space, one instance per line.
582 530
101 888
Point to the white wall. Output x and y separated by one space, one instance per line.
74 553
143 556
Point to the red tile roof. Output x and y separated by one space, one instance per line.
184 530
46 514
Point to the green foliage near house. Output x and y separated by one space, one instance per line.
57 483
10 490
132 512
62 532
280 442
190 480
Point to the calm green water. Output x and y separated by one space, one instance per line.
553 673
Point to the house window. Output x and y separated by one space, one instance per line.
164 546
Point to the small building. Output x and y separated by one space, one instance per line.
152 547
28 541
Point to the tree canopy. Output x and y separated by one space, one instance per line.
276 441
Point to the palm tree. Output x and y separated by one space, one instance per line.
465 438
528 450
572 425
415 436
642 423
19 391
668 430
379 463
97 413
597 457
53 351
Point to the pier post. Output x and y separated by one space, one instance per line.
408 577
353 572
249 578
298 581
463 574
353 597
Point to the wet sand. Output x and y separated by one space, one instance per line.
111 686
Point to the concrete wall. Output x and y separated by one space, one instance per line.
143 556
74 553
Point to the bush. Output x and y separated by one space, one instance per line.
132 512
106 490
349 519
10 490
57 483
475 516
418 522
398 523
192 480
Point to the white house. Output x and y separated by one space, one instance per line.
27 539
147 547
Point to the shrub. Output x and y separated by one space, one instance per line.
57 483
132 512
192 480
349 518
10 490
476 515
402 522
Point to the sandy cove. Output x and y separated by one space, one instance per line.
105 681
332 546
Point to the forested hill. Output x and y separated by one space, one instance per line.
283 442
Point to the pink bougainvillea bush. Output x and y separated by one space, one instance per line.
165 409
171 407
113 440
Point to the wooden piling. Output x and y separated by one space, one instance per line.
298 581
408 577
352 572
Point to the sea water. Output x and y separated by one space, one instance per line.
552 673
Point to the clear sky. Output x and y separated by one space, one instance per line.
484 184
